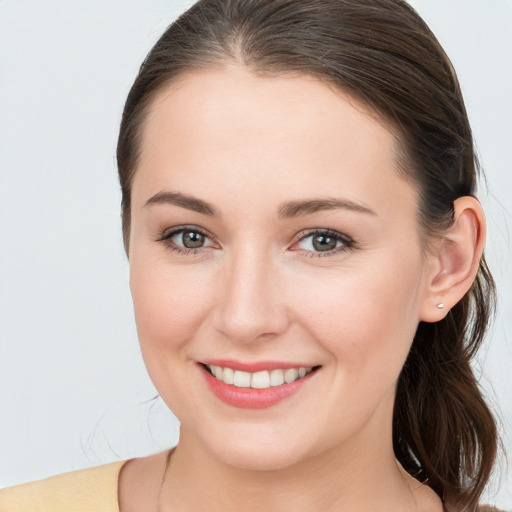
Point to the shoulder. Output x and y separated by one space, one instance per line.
78 491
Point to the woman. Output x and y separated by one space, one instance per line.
306 264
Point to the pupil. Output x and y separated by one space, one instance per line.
193 240
324 243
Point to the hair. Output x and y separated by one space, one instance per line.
381 53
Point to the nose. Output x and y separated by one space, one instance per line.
250 303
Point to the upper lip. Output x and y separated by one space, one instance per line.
256 366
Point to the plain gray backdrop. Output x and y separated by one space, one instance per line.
73 388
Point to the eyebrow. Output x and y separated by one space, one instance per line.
178 199
308 206
287 210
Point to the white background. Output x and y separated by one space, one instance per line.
73 389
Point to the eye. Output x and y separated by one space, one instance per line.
324 242
189 239
186 239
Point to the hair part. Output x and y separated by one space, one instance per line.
381 53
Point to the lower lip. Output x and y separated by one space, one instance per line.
249 398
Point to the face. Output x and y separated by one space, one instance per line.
271 232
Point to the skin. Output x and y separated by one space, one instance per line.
259 291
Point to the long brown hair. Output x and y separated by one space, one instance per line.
384 55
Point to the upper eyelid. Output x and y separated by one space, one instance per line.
302 235
168 233
299 236
165 238
325 231
348 243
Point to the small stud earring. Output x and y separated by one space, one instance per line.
440 305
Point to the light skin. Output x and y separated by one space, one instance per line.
256 168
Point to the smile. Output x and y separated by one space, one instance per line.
257 389
257 380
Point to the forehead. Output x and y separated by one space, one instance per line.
241 102
231 128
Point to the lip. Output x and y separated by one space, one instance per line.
249 398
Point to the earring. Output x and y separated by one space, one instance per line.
440 305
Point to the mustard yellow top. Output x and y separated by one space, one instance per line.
86 490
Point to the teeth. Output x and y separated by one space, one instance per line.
242 379
218 372
276 377
258 380
229 376
290 375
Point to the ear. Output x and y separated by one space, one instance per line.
455 261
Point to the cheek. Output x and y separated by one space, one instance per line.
170 305
365 318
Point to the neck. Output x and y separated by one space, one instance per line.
358 476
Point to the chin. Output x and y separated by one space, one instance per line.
259 458
259 452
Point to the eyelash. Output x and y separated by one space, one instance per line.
166 239
347 242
